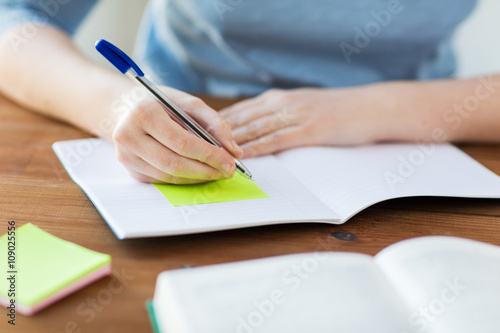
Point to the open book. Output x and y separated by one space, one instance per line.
433 284
314 184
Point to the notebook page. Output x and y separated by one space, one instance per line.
134 209
449 284
310 292
349 179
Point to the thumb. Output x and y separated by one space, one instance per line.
217 126
220 129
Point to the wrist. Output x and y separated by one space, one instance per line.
113 103
400 112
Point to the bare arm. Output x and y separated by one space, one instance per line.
50 76
463 110
441 110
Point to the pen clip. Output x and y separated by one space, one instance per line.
117 57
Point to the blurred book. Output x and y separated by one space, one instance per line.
436 284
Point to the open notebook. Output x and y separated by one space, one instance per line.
314 184
433 284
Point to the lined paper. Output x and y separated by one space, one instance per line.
313 184
134 209
352 178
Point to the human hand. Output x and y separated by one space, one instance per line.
281 119
155 149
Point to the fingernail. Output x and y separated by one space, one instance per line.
227 176
228 168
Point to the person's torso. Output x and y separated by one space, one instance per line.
242 47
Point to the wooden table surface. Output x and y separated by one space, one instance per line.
35 188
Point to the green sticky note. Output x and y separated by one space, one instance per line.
44 264
152 316
234 189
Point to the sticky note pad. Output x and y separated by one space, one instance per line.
45 268
224 190
152 316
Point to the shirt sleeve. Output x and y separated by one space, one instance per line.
64 14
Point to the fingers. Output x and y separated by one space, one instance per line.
170 163
155 148
269 102
260 127
213 122
241 115
265 124
220 129
147 173
172 136
236 108
276 141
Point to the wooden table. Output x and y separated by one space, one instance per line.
35 188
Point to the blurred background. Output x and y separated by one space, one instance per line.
477 42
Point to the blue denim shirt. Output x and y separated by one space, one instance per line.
244 47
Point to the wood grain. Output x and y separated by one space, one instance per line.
35 188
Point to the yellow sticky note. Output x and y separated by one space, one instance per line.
45 265
234 189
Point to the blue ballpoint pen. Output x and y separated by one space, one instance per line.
128 67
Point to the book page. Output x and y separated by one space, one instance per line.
134 209
312 292
349 179
449 284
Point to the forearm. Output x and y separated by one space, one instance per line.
443 110
50 76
